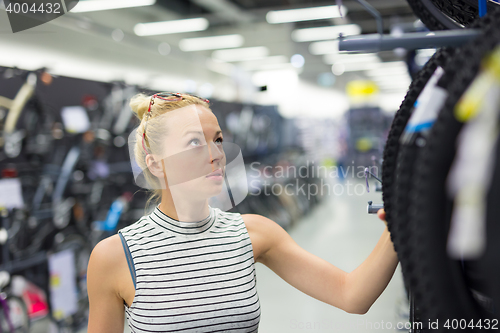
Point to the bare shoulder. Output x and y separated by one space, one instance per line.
107 262
264 233
106 313
108 250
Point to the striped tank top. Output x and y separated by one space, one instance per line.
191 276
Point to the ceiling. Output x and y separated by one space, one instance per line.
108 38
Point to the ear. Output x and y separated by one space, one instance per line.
155 166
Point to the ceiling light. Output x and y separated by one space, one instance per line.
376 72
297 60
164 48
310 34
350 58
267 67
356 67
393 81
387 71
96 5
211 43
220 67
117 35
394 64
245 53
171 27
258 64
318 48
389 68
338 69
304 14
326 79
390 77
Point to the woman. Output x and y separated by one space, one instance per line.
189 267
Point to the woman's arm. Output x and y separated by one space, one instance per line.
106 311
369 280
353 292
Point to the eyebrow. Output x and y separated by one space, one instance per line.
200 132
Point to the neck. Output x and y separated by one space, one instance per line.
183 210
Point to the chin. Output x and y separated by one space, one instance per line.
212 190
204 189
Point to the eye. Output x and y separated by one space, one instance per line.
194 142
219 140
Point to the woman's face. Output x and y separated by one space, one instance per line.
193 157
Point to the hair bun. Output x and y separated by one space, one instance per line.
139 104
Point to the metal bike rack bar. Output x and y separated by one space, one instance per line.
415 40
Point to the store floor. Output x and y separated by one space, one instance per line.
340 231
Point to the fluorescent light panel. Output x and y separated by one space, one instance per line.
390 78
266 67
350 58
356 67
211 43
224 68
241 54
96 5
389 68
318 48
171 27
387 71
390 72
393 81
323 33
304 14
262 63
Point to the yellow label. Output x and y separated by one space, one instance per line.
58 314
471 101
55 280
364 144
361 88
492 63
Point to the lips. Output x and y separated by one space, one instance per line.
217 172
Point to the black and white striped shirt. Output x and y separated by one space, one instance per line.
191 276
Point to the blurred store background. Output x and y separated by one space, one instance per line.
280 89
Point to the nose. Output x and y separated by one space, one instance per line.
216 152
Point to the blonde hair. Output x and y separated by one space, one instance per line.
155 132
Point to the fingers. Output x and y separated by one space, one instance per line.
381 214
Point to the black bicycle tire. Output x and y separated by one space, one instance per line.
491 260
391 148
404 170
462 11
441 289
431 16
447 14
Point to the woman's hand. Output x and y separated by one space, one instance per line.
381 215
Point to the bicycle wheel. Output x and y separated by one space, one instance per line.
462 11
404 171
442 284
391 149
448 14
491 257
17 314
